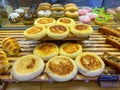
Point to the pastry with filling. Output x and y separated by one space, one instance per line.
66 21
89 64
61 68
14 18
27 67
58 11
70 49
10 45
46 50
20 11
44 22
57 31
35 33
4 64
81 30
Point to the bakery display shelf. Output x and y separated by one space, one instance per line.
95 43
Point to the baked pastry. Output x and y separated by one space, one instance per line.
10 45
58 11
44 13
46 50
85 19
61 68
114 41
4 64
66 21
44 22
14 18
71 11
28 19
57 5
92 15
35 33
89 64
70 49
45 4
69 5
109 30
111 60
20 11
101 20
57 31
27 67
82 12
81 30
89 9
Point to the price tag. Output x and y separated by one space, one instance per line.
108 78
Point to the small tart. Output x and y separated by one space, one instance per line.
44 22
61 68
81 30
35 33
89 64
57 31
46 50
70 49
66 21
27 67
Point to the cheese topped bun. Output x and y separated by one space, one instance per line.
61 68
27 67
57 31
46 50
70 49
81 30
89 64
66 21
35 33
44 22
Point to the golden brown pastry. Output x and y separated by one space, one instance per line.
58 11
10 45
89 64
57 31
61 68
44 22
81 30
70 49
109 30
66 21
113 40
4 64
111 60
46 50
35 33
45 4
27 67
69 5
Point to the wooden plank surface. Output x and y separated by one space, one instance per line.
95 43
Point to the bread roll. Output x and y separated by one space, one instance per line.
89 64
46 50
61 68
35 33
11 46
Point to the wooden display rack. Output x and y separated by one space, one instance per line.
95 43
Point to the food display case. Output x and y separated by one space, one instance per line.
103 41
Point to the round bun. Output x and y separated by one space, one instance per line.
35 33
58 11
70 49
81 30
43 8
46 50
89 64
27 67
69 5
66 21
71 8
57 31
4 64
14 18
57 5
61 68
72 14
44 22
45 4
